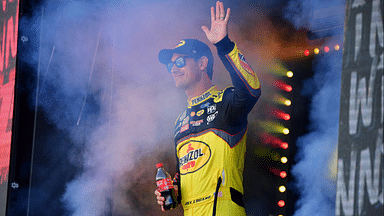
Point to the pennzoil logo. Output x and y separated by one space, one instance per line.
193 156
201 98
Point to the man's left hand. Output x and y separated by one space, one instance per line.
219 23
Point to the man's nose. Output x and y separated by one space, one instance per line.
174 68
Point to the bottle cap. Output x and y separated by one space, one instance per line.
159 165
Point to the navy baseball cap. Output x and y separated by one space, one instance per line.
190 47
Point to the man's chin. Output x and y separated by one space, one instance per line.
181 86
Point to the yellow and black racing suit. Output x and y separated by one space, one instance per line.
210 140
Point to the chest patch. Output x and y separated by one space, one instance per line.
193 156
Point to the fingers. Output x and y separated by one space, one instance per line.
205 29
160 199
221 6
227 16
218 10
219 13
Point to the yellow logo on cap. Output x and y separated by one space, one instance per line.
181 43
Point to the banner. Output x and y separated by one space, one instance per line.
360 150
8 50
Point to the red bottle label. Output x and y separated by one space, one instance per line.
164 184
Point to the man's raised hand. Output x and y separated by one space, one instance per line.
219 23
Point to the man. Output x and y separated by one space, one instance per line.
210 134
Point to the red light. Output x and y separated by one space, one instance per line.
306 52
281 85
279 114
288 88
281 203
284 145
326 49
286 117
283 174
273 141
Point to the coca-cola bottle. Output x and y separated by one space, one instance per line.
165 187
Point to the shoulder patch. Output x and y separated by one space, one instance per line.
245 65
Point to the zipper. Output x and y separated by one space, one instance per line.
216 194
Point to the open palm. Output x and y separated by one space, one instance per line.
219 23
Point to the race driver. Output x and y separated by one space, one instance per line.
210 134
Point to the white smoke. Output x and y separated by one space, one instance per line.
315 185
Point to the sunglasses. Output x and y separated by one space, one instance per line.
179 62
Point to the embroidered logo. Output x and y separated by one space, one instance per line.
199 113
211 109
212 117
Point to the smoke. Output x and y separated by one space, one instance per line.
101 83
316 150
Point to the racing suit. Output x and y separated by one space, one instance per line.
210 138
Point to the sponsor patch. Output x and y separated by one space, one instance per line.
193 156
212 117
197 123
184 128
178 125
183 115
193 113
185 121
202 106
245 65
199 113
211 109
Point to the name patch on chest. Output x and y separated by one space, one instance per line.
193 156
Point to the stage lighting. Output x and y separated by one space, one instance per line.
285 131
289 74
286 117
282 188
316 50
279 114
282 85
288 88
281 203
279 99
306 52
284 160
337 47
326 49
283 174
287 102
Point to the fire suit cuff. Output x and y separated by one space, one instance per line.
224 46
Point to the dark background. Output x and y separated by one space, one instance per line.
40 192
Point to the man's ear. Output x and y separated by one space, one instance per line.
202 63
